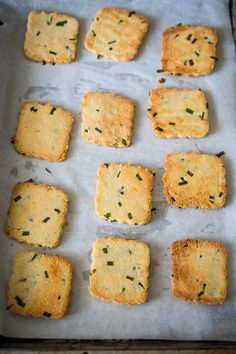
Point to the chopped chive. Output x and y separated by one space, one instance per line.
38 33
130 216
110 263
67 47
59 297
34 256
220 195
198 54
106 164
191 62
153 209
177 35
57 210
99 56
202 292
220 154
123 289
120 204
171 123
189 37
189 110
18 197
53 110
185 62
110 48
210 42
98 130
194 40
202 116
207 105
131 13
139 177
212 201
212 197
44 62
72 39
159 70
107 215
97 110
183 181
154 114
140 284
205 37
149 109
190 173
118 174
121 21
86 130
61 23
48 170
23 280
94 34
25 233
130 252
46 220
124 142
179 24
111 42
8 307
160 129
33 109
105 250
130 278
46 274
215 58
19 301
47 314
52 52
50 21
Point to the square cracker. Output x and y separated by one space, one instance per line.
37 214
43 131
51 37
178 113
40 285
116 33
124 193
199 271
107 119
189 50
120 270
194 180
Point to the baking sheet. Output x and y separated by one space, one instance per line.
161 317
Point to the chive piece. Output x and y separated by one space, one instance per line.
189 110
72 39
8 307
25 233
47 314
86 130
122 190
52 52
38 33
220 154
99 56
105 250
118 174
202 292
159 70
57 210
173 199
154 114
50 21
123 289
53 110
46 274
212 197
149 109
121 21
140 284
160 129
130 278
59 297
61 23
130 252
171 123
111 42
33 109
106 164
183 181
94 34
98 130
48 170
33 258
153 209
185 62
130 216
107 215
110 48
124 142
131 13
189 37
18 197
194 40
97 110
44 62
19 301
120 204
202 116
207 105
46 220
198 54
110 263
179 24
191 62
177 35
205 37
67 47
215 58
220 195
139 177
23 280
190 173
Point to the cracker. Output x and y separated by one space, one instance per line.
189 50
199 271
108 119
40 285
51 37
43 131
116 33
37 214
178 113
194 180
124 193
120 270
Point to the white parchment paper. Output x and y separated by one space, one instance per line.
161 317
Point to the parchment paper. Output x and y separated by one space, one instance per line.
161 317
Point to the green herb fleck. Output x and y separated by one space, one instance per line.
221 153
130 216
120 204
121 21
50 21
198 54
118 174
44 62
130 278
160 129
59 297
122 190
202 292
110 263
99 56
215 58
33 109
131 13
110 48
140 284
53 110
61 23
48 170
194 40
19 301
111 42
202 116
98 130
159 70
171 123
94 34
154 114
23 280
8 307
25 233
179 24
189 37
67 47
207 105
220 195
57 210
185 62
177 35
190 173
38 33
139 177
52 52
106 164
47 314
130 252
124 142
97 110
191 62
212 197
105 250
46 274
46 220
183 181
149 109
107 215
18 197
34 256
189 110
154 209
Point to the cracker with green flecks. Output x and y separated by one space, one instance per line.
37 214
43 131
189 50
108 119
199 271
178 113
51 37
194 180
116 33
40 285
124 193
120 270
